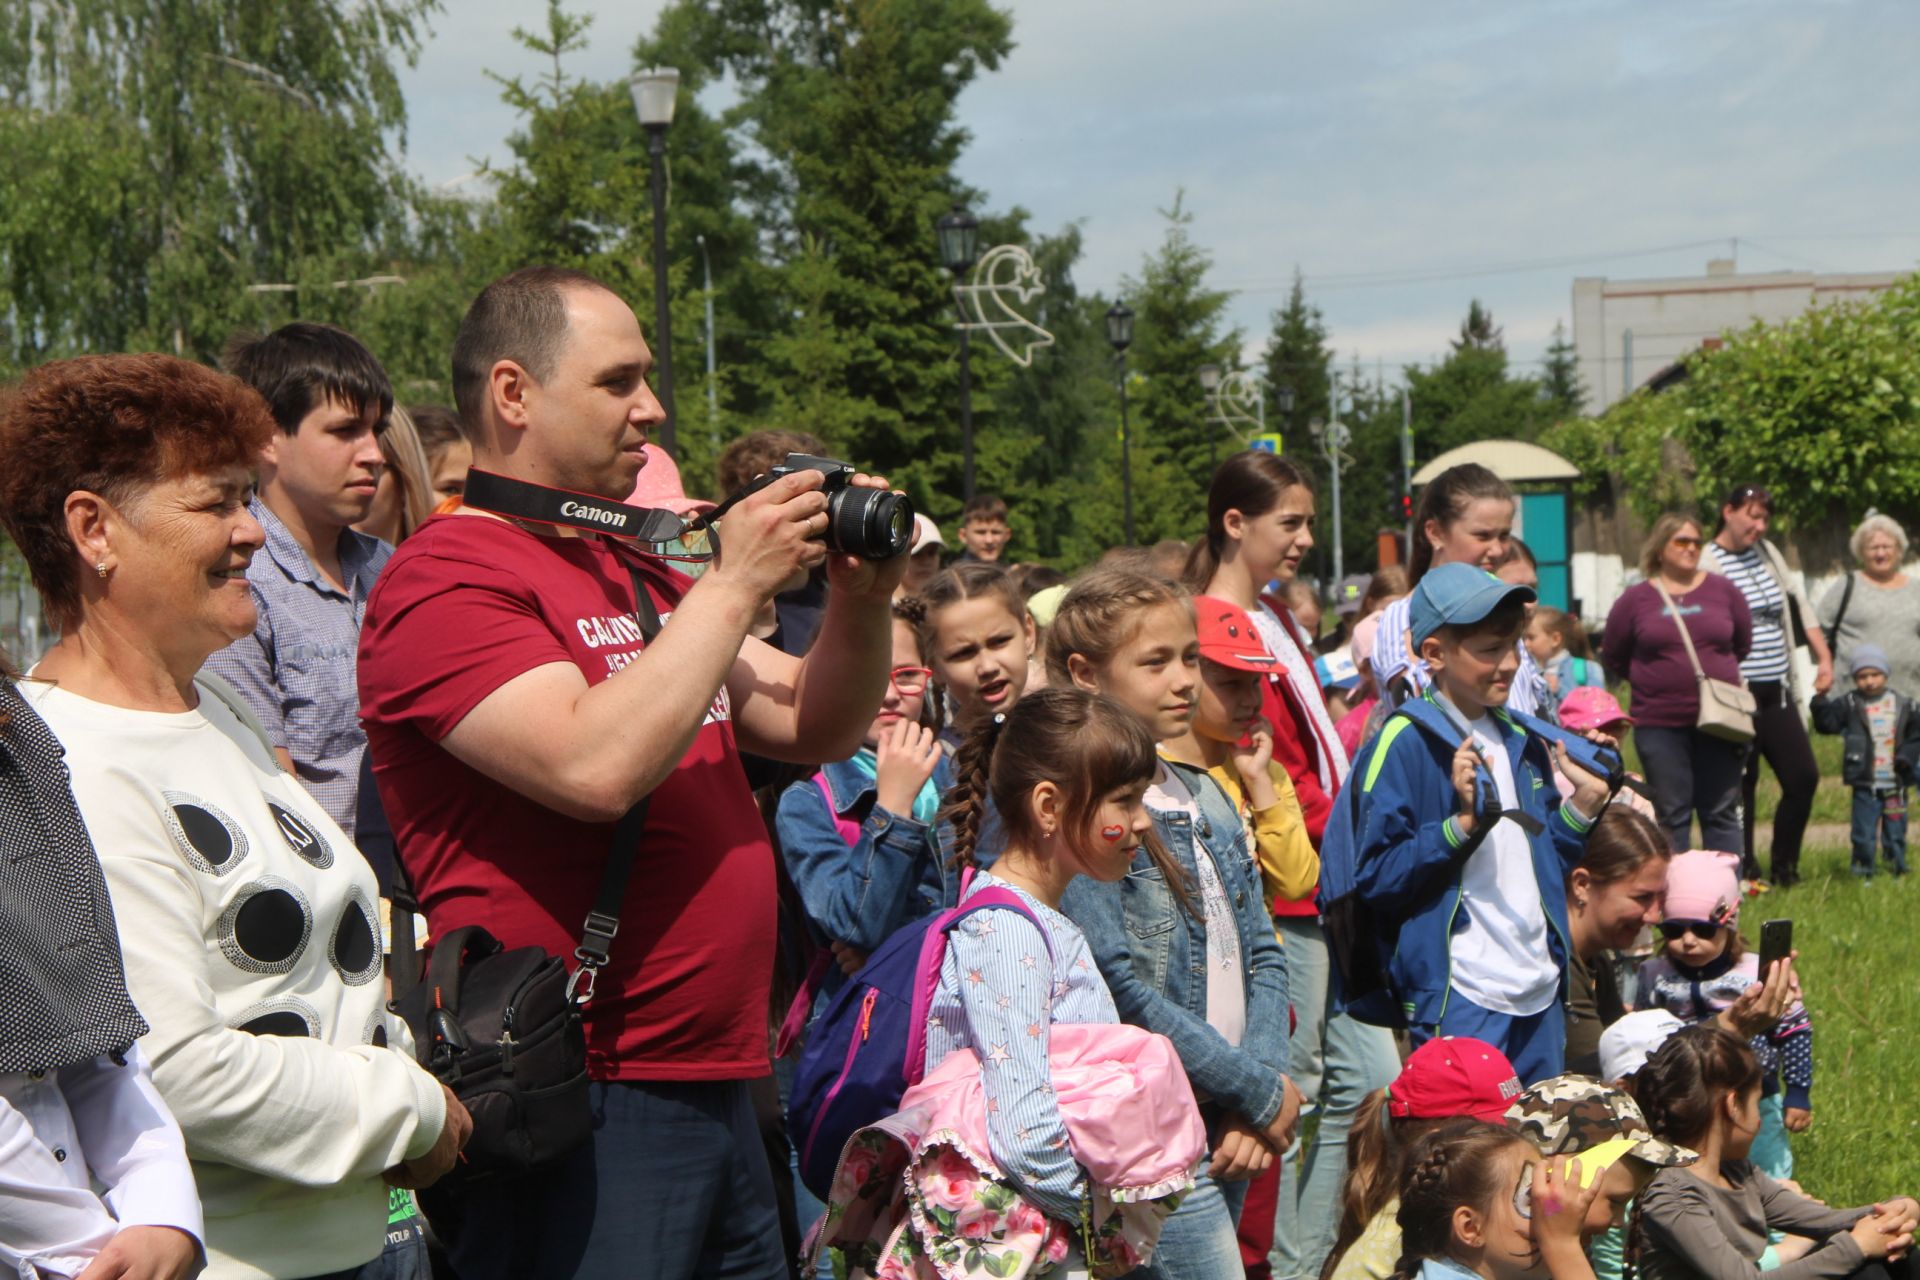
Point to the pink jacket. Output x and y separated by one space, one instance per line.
919 1194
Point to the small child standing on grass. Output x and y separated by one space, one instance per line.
1881 736
1558 643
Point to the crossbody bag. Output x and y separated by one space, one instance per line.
504 1028
1726 709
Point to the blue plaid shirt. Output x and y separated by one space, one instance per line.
297 669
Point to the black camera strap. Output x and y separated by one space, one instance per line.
602 924
566 509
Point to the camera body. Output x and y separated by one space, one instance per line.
870 523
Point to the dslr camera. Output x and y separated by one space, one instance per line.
870 523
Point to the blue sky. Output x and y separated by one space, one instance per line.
1395 152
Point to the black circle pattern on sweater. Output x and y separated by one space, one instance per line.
280 1016
355 948
301 837
204 834
266 928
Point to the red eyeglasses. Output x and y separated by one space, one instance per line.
909 681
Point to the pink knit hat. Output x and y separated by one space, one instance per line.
1704 885
659 486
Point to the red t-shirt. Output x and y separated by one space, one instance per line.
467 604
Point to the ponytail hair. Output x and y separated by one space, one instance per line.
1456 1164
1249 482
1101 612
1444 501
1682 1083
1621 842
1085 743
1377 1148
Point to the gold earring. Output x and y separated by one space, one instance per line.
101 568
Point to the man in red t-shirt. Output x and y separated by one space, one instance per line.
514 712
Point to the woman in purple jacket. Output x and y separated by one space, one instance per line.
1690 772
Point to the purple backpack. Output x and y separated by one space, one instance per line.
870 1045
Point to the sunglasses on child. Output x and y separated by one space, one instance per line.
908 681
1704 930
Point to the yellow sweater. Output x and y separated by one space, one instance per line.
1289 867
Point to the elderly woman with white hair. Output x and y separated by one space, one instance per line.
1879 604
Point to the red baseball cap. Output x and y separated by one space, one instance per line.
1227 636
1454 1076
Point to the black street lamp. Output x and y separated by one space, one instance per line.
654 92
959 234
1120 336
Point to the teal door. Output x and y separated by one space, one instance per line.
1543 523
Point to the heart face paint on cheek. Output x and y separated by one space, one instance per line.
1113 834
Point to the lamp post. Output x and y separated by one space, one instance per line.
1283 397
959 234
654 92
1120 337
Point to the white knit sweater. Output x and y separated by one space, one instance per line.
251 934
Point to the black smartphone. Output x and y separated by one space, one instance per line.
1776 943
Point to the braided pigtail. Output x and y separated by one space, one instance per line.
1457 1164
966 805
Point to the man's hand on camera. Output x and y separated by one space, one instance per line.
773 534
874 579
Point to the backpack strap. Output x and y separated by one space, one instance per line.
933 951
849 829
1441 724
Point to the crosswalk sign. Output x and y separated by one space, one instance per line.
1269 442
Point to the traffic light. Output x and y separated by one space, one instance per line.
1400 508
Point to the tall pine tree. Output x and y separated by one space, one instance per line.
1299 358
1177 329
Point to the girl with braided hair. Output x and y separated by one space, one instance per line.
1701 1089
1476 1200
978 636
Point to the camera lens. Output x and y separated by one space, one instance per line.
870 523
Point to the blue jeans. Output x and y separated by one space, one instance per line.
1872 824
674 1185
1536 1045
1335 1063
1198 1241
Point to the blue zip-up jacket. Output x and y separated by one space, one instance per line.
1153 954
894 872
1410 855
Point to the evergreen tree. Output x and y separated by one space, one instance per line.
1560 381
1298 356
1176 331
1479 332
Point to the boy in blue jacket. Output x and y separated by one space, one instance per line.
1461 843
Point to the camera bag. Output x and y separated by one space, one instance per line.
503 1027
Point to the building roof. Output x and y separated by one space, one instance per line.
1514 461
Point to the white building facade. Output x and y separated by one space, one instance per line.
1626 331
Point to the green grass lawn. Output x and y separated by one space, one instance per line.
1860 970
1859 947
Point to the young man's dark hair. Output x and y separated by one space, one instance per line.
299 365
984 506
520 317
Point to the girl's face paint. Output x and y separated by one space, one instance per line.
1113 834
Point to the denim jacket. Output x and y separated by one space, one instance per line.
894 872
1153 954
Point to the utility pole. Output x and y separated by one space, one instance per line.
1406 466
713 389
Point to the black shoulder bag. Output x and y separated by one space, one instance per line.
503 1029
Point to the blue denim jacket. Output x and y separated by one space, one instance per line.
894 872
1153 955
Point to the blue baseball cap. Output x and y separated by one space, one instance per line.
1456 594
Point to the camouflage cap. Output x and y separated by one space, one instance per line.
1568 1114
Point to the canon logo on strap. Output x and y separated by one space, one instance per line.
599 515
